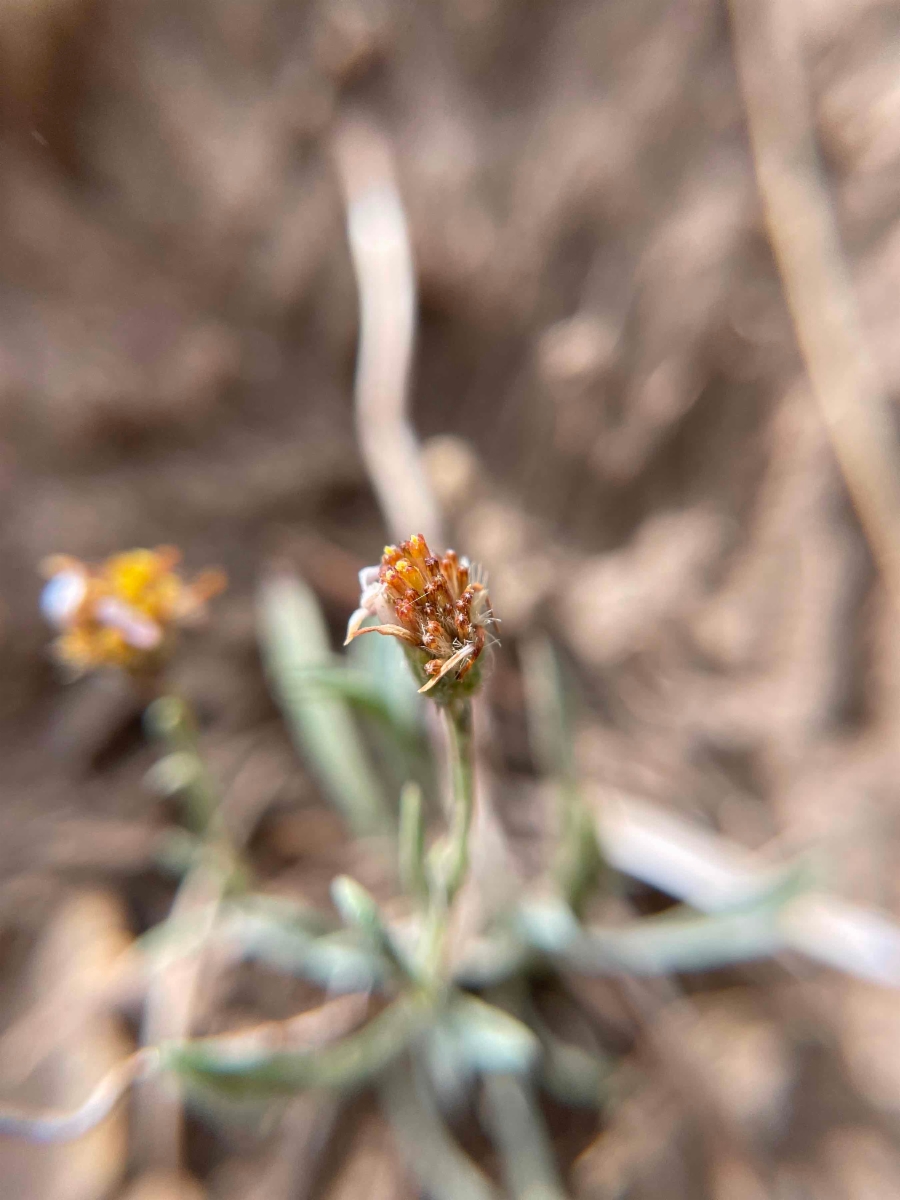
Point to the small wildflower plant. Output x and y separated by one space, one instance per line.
426 1010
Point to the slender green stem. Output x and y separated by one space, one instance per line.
171 720
449 861
459 727
184 772
411 842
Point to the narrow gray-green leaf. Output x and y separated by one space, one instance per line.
291 943
549 704
520 1135
487 1038
239 1069
357 907
493 958
383 661
294 641
443 1170
572 1075
360 690
183 771
548 924
660 945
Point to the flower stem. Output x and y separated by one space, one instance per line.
459 728
449 860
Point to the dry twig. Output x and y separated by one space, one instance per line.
819 292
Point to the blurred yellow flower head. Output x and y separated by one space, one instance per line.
124 612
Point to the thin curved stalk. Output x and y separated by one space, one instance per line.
59 1126
459 728
385 276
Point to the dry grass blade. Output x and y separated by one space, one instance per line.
819 292
382 260
714 875
652 844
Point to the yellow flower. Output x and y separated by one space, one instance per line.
437 607
124 612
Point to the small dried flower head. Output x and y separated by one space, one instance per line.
124 612
438 608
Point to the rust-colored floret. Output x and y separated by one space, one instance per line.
431 604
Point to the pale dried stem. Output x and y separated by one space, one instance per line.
51 1125
312 1028
169 1003
175 978
819 292
385 277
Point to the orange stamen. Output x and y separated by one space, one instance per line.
411 575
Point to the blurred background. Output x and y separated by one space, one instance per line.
615 420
